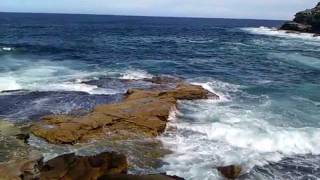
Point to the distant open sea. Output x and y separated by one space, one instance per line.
268 115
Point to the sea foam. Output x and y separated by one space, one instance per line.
6 48
46 75
135 75
206 134
281 33
8 83
81 87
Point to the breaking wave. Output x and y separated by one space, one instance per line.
135 75
281 33
45 75
200 129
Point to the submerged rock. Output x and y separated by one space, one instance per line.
164 80
142 113
305 21
230 172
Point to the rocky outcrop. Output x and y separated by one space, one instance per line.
305 21
230 172
68 166
142 113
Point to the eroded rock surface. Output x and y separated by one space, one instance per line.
142 113
305 21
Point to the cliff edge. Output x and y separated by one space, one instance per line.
307 21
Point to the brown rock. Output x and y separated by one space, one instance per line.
65 167
230 172
143 113
70 166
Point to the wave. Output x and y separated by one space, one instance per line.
80 87
281 33
46 75
298 59
206 134
220 88
135 75
8 84
6 49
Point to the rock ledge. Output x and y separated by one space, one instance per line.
142 113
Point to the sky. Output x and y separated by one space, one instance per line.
249 9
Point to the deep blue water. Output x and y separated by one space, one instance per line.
268 115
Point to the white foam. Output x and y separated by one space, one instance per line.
135 75
8 83
206 134
44 75
281 33
222 89
261 137
80 87
7 49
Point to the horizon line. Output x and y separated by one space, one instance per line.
151 16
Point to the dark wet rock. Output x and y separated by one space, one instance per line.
230 172
23 136
142 113
293 26
305 21
139 177
68 166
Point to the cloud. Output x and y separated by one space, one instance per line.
261 9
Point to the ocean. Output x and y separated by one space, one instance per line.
267 118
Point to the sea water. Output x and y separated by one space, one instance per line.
267 117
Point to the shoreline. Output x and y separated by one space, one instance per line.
141 114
